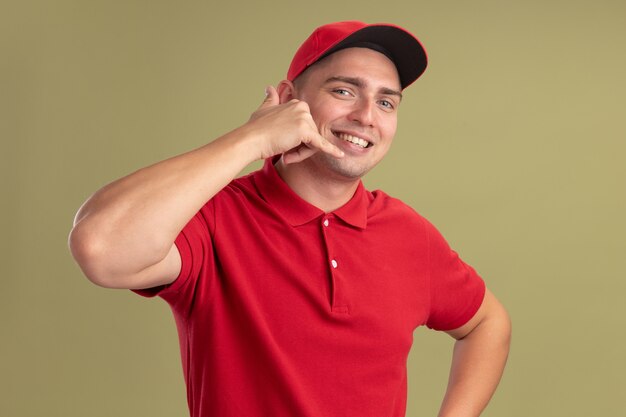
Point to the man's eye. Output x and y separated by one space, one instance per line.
387 104
341 91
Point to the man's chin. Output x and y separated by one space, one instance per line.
340 167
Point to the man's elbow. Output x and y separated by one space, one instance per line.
89 253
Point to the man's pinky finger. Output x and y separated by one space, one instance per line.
329 148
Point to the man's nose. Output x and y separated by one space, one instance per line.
363 112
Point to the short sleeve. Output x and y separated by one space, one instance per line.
194 244
457 291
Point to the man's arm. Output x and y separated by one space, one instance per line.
480 354
123 235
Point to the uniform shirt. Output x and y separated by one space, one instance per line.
284 310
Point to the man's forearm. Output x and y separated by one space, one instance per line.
477 365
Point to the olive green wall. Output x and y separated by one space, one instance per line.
512 144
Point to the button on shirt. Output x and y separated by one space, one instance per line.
284 310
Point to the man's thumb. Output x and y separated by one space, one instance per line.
271 97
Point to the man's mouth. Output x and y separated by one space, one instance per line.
353 139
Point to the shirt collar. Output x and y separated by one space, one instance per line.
296 210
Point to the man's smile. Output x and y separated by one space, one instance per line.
363 143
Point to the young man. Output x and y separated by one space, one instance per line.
295 290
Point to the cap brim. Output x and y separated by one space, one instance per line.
402 48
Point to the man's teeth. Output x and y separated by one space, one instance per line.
353 139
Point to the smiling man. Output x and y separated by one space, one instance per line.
295 290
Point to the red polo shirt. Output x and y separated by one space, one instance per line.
284 310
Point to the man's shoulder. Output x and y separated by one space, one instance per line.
382 203
386 201
395 213
237 192
243 185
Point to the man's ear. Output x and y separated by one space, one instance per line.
286 91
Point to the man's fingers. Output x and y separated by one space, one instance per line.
324 145
307 148
297 131
271 97
319 142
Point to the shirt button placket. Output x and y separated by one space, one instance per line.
337 303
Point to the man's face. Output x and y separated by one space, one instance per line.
354 96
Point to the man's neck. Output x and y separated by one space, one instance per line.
327 194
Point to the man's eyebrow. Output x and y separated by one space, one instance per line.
358 82
391 92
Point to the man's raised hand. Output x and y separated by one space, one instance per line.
288 129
